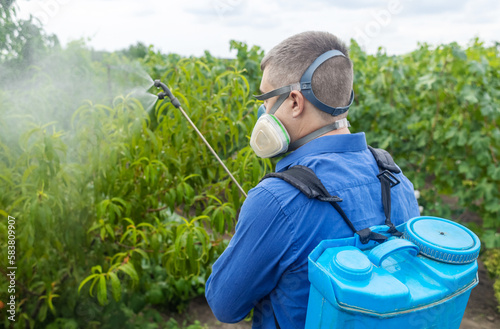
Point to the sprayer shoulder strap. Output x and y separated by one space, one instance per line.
387 168
306 181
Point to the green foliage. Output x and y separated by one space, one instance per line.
248 60
22 41
172 324
137 51
121 205
122 209
437 111
492 263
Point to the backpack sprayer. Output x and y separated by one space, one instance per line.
175 102
417 275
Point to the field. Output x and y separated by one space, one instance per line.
120 208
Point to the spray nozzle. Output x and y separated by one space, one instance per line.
166 93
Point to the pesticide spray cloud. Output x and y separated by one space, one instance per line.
55 86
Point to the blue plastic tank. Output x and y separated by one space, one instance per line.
422 280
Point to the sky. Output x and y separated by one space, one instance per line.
190 27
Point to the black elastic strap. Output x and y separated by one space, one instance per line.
386 197
344 216
384 160
306 181
276 321
387 167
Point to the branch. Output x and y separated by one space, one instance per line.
492 151
156 210
132 248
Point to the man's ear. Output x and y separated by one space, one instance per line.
299 103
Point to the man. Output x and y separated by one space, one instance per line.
265 264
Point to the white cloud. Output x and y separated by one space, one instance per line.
433 7
190 27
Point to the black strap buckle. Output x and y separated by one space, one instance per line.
393 181
365 235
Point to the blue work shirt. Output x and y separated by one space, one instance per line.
265 264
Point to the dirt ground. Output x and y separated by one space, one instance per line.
480 313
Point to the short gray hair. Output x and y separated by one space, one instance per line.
332 81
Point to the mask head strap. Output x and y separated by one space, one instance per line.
306 85
284 92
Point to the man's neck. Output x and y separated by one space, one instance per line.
341 131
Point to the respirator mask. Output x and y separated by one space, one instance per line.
269 136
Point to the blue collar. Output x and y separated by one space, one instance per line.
326 144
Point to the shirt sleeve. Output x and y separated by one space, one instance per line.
256 257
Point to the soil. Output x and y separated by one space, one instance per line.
481 312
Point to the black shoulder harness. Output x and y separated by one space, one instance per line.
305 180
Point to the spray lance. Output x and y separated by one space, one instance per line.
175 102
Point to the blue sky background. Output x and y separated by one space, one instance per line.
190 27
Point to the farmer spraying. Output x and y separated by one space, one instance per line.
307 88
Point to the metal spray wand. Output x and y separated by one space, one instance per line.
175 102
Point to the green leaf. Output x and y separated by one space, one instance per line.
141 252
190 250
97 269
116 287
51 305
42 314
120 200
129 269
87 279
95 226
128 220
110 231
102 291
